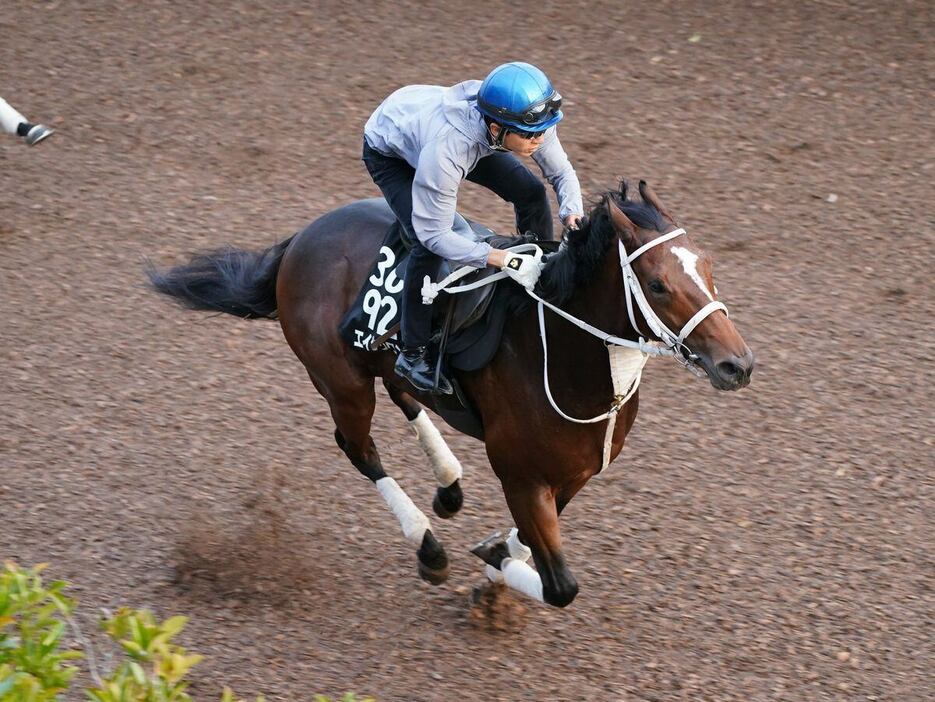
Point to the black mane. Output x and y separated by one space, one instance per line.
577 262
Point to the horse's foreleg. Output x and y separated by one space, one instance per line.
534 510
515 549
352 418
447 468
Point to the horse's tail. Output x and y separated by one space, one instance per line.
242 283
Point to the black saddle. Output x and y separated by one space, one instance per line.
470 306
467 326
370 321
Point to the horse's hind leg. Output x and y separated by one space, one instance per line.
447 468
352 414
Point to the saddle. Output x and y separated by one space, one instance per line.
467 326
371 322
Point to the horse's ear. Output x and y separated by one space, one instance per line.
624 186
620 222
649 196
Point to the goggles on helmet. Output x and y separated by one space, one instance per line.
533 115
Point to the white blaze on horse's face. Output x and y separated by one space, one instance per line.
689 262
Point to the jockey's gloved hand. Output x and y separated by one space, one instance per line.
523 268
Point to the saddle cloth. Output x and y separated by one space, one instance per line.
378 305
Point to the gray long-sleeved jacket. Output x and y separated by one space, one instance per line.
441 134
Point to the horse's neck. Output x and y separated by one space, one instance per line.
602 302
578 360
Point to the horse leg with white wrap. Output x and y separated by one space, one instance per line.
352 434
495 550
447 468
537 535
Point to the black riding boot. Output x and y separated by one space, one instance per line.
413 365
416 324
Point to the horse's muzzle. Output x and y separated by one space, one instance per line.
731 373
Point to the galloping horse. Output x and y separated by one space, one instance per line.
628 268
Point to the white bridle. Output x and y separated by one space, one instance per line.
674 342
627 357
627 372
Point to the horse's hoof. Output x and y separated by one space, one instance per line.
494 575
434 577
439 508
448 500
492 550
433 561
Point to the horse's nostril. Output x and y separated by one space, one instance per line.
730 370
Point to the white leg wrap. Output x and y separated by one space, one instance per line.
447 468
411 519
519 576
10 119
518 550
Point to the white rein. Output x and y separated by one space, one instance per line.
625 367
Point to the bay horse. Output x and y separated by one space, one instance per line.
605 283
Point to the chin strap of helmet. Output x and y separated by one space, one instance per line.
496 142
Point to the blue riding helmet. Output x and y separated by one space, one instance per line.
519 96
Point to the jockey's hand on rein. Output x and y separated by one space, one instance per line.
523 268
572 221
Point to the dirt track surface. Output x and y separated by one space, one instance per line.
772 544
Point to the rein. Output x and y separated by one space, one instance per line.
627 357
672 344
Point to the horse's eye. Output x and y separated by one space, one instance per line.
657 287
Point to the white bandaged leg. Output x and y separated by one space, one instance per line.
411 518
10 119
447 468
518 549
519 576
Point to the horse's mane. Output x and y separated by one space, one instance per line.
577 262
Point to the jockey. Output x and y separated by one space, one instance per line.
14 123
423 141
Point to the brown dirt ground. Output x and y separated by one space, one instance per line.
775 544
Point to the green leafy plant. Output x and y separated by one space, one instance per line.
32 623
155 668
228 696
35 617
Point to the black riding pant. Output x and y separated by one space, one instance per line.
501 172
